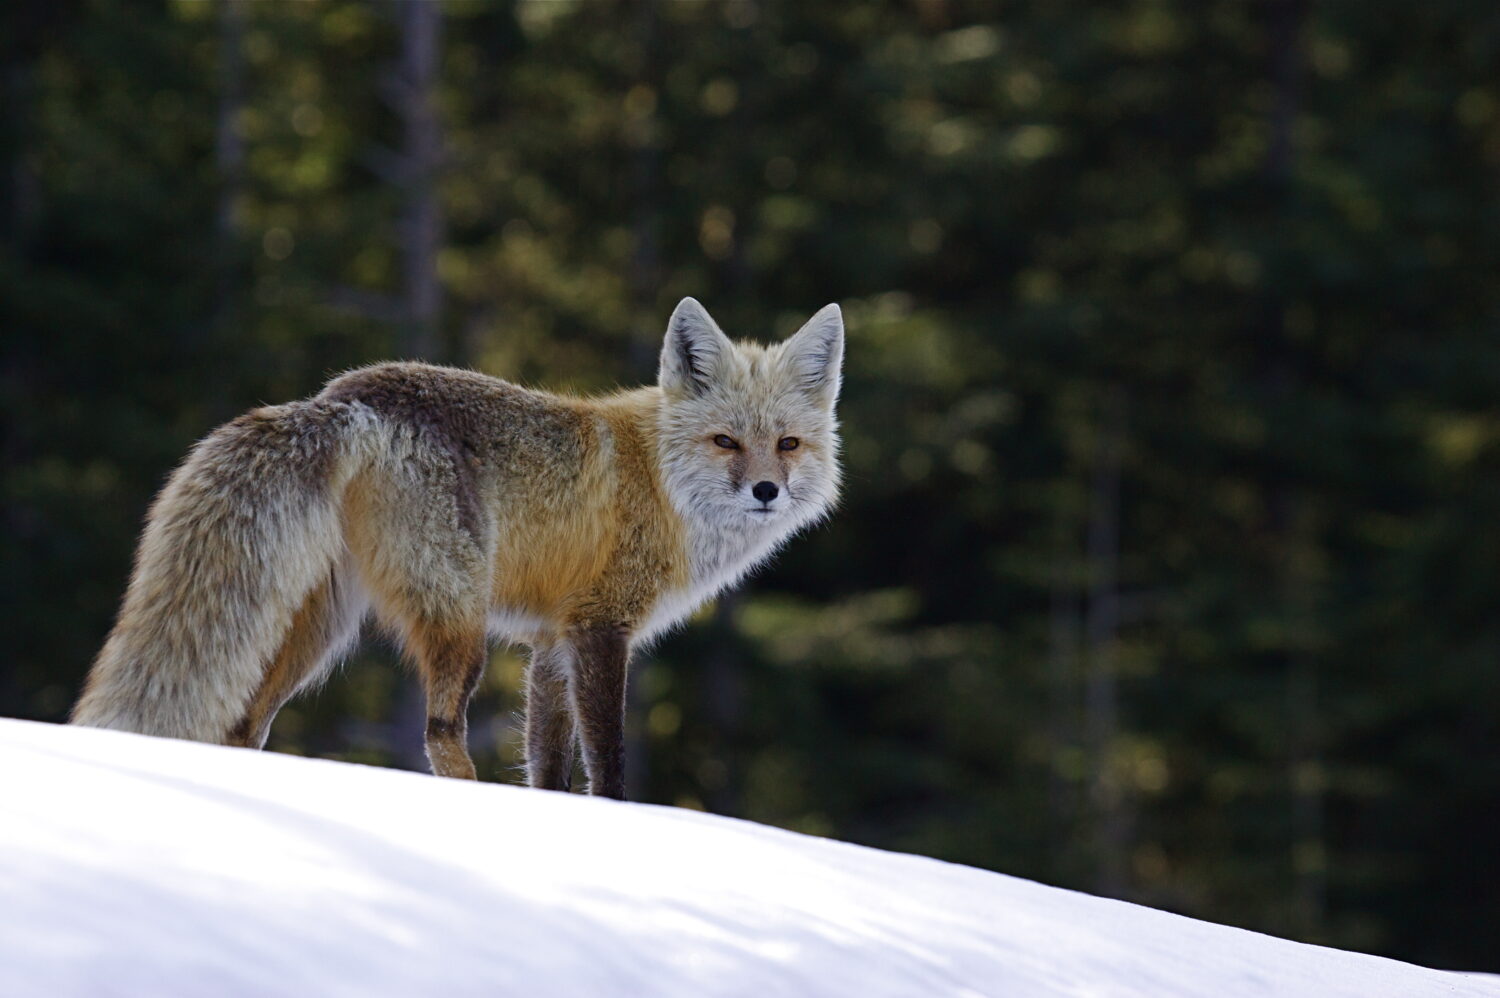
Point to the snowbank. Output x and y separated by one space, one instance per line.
139 866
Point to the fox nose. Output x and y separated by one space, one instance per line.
765 491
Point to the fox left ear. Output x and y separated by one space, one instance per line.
816 354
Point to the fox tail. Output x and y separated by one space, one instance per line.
243 532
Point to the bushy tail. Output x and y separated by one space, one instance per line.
243 531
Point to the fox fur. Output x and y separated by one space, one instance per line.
456 507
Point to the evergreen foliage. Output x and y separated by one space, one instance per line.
1167 564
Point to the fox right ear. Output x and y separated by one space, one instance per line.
693 350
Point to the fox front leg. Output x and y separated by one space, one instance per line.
601 655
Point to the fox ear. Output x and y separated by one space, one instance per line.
693 351
816 354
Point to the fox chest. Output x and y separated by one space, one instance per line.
716 561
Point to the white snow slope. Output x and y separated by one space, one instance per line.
140 866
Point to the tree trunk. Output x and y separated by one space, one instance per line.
1062 679
18 207
421 221
1303 757
229 148
1101 626
645 280
229 160
414 86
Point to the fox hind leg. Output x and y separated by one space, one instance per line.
451 660
550 737
424 548
327 621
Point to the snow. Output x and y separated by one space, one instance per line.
141 866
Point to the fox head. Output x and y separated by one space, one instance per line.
748 433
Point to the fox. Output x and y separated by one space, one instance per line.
456 508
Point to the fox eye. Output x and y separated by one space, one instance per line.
728 443
788 443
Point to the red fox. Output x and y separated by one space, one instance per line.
456 507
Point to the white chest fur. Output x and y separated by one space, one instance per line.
719 555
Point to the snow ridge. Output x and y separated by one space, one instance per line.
140 866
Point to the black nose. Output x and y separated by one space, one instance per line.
765 491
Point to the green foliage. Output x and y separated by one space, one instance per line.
1166 565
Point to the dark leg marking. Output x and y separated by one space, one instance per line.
451 663
599 704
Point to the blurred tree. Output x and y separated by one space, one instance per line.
1164 565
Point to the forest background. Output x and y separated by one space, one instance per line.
1167 567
